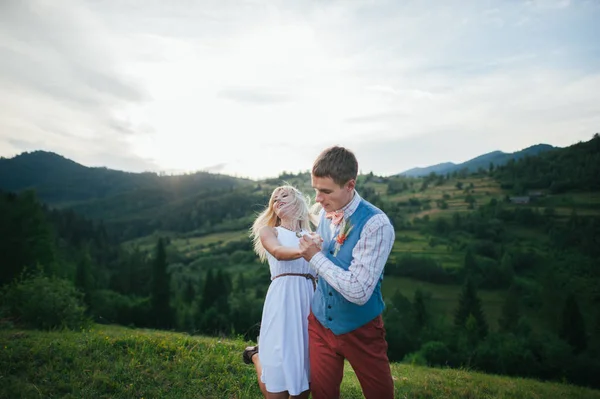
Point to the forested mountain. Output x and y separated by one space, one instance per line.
136 214
574 168
60 181
496 158
440 169
132 204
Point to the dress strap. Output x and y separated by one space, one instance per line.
308 276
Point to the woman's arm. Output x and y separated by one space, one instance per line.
268 238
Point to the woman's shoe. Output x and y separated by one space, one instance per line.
248 353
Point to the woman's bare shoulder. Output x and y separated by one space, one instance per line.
267 231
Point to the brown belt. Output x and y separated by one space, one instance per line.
307 276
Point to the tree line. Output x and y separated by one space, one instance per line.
81 265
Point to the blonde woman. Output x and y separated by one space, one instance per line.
282 364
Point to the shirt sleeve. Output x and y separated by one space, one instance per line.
369 257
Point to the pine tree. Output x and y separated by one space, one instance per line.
208 292
551 296
506 266
214 313
405 313
472 330
470 304
595 336
83 276
509 318
223 287
420 310
403 337
189 293
27 238
225 284
240 283
470 264
160 295
573 326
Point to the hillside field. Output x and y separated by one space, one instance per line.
118 362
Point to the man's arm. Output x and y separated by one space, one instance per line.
369 257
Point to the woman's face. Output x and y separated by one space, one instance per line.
283 203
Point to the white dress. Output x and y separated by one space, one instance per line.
283 340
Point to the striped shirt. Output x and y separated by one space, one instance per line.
369 257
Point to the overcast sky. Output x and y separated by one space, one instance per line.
254 88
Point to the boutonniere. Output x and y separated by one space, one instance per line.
342 236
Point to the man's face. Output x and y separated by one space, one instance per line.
330 195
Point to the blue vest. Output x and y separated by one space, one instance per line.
329 307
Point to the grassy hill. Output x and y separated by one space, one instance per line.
117 362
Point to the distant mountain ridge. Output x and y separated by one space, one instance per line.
133 204
57 179
483 161
137 204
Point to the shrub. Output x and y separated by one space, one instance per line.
5 322
113 307
45 303
420 268
485 248
415 359
436 353
505 354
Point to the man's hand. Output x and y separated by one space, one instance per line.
310 244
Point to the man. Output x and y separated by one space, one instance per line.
345 320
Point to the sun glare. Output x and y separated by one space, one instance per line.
194 124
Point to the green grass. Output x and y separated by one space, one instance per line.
187 246
484 189
411 242
117 362
191 246
147 243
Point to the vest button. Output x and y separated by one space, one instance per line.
331 252
330 319
328 306
331 294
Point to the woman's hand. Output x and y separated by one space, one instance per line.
310 244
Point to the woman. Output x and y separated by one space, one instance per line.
282 365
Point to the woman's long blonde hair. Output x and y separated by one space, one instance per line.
299 208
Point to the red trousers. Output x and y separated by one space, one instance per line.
365 349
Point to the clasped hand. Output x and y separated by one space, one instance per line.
310 244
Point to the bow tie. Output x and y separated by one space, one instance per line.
336 217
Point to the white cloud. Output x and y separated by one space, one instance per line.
258 87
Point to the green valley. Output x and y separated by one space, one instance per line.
494 270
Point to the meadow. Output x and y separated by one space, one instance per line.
117 362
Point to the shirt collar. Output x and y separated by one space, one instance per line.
351 206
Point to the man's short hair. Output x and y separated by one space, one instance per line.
338 163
